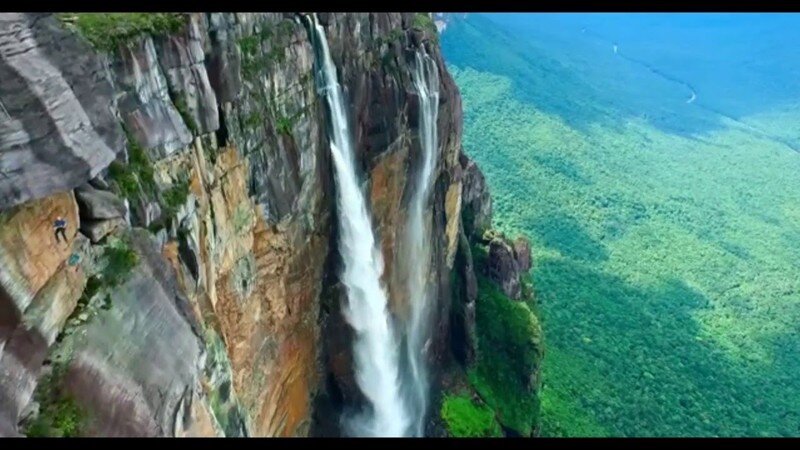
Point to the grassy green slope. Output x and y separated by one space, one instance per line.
666 264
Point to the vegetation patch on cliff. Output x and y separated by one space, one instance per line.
135 179
508 355
116 263
463 417
396 35
175 196
106 31
423 21
136 182
118 259
179 100
59 417
277 36
222 398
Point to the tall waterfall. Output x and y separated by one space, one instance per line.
417 242
375 350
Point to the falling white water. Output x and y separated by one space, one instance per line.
417 246
375 349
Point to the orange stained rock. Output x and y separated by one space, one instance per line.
29 253
288 405
389 180
452 209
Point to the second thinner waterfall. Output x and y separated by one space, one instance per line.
417 241
375 350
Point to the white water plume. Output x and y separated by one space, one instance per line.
375 349
417 243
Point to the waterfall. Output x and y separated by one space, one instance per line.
375 349
417 243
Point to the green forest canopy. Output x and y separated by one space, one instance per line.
665 264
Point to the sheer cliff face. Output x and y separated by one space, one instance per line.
218 211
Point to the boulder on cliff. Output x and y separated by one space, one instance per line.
95 204
503 269
475 198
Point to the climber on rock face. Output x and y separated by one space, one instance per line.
60 226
